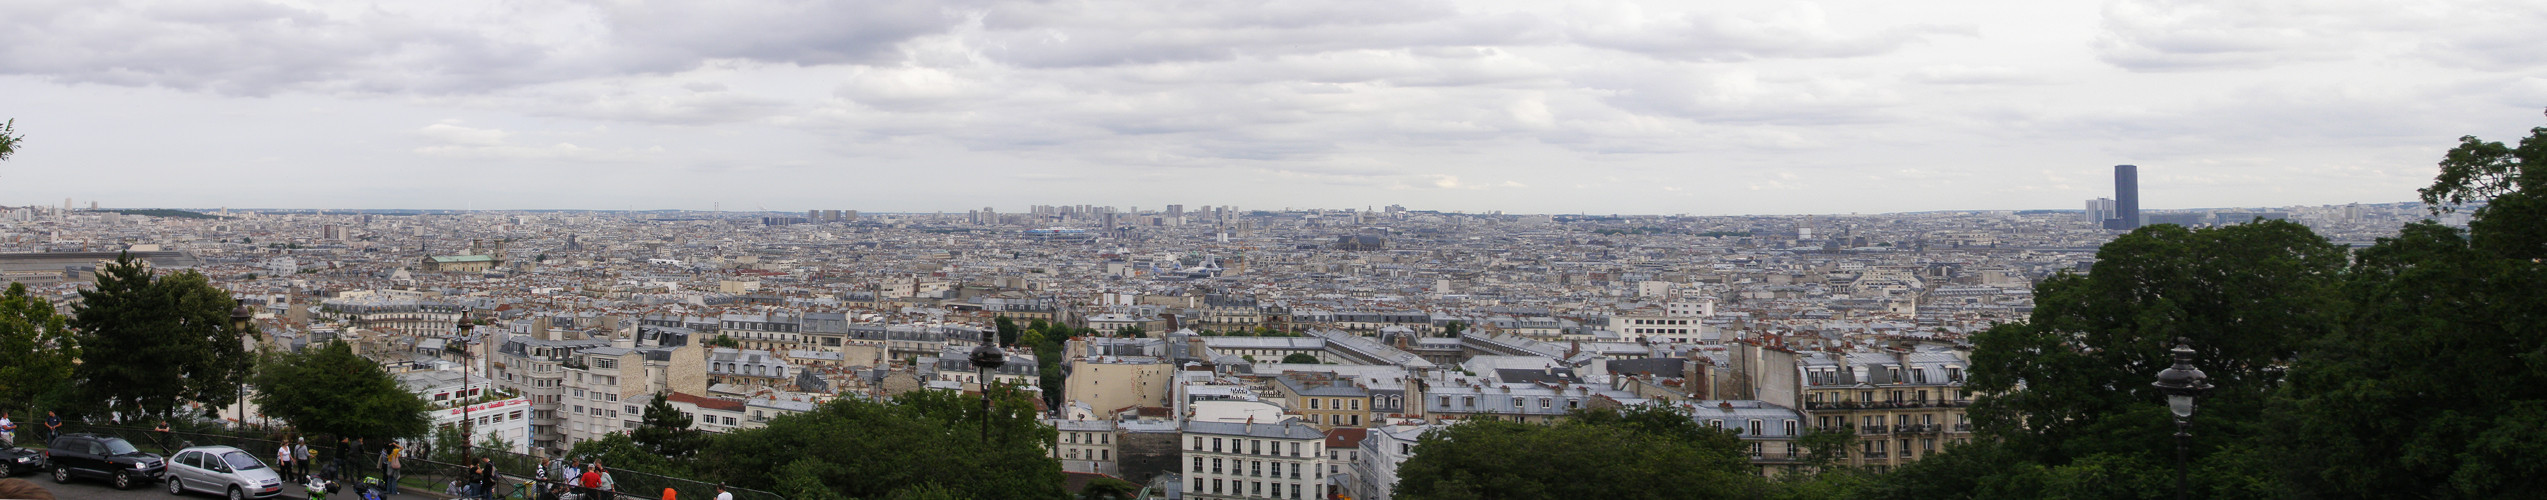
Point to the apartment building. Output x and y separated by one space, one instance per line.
1325 400
1232 460
535 368
1901 403
605 386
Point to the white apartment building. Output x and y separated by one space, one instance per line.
1375 464
1285 460
606 387
535 368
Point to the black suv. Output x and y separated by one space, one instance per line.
16 460
104 457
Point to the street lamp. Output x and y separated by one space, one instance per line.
2182 383
986 358
240 319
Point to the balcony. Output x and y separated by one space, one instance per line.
1874 455
1873 430
1966 428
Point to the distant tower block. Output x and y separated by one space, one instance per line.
2126 198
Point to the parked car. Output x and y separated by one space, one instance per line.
16 460
104 457
222 469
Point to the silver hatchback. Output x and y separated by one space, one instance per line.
223 470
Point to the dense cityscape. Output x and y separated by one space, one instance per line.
1346 333
1307 250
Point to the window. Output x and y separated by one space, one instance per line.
1544 403
1255 447
1198 443
1790 427
1215 445
1295 449
1754 428
1215 466
1198 465
1357 404
1313 403
1715 423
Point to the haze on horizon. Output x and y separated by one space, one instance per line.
1523 107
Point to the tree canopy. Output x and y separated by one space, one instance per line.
36 350
665 430
328 390
1641 452
151 343
855 448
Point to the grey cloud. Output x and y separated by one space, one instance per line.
1798 32
256 48
1107 34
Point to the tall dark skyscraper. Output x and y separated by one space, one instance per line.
2126 198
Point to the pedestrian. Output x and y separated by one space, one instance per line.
336 460
8 431
608 484
668 494
721 494
591 482
52 427
486 488
301 456
161 434
392 467
283 459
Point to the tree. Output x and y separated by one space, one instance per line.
856 448
2074 380
151 343
665 430
36 351
10 139
1673 457
1108 488
2511 181
723 340
1008 331
1454 328
2438 382
328 390
1301 358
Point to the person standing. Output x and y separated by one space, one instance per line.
591 482
609 486
8 431
161 434
52 426
487 478
301 456
283 459
391 467
721 494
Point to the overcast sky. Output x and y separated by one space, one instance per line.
1526 107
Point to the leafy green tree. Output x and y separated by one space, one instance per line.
36 352
327 390
1454 328
1301 358
2074 380
2438 383
1107 488
10 139
665 430
1008 330
1651 452
723 340
151 343
2511 181
856 448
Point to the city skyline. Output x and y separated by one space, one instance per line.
1833 107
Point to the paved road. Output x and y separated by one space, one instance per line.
89 489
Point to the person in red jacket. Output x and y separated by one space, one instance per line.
591 481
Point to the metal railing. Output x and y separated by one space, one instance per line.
515 469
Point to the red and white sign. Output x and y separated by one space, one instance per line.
483 407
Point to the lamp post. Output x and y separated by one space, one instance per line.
986 358
240 319
2182 383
